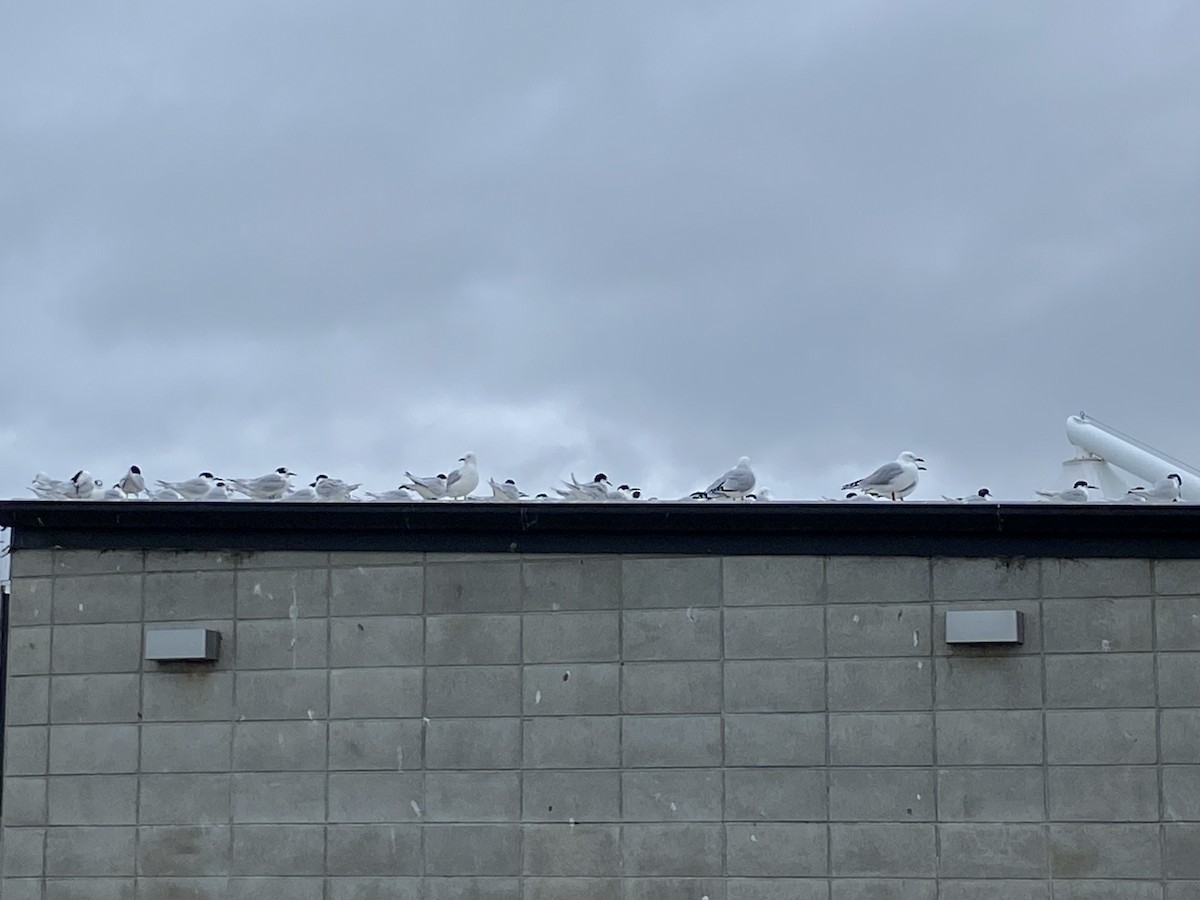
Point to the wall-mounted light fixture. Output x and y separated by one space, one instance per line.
985 626
183 644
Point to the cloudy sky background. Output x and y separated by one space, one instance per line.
638 237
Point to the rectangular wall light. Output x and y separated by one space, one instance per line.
985 626
183 644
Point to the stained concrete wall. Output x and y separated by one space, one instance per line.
447 728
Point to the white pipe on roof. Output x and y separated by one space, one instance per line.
1130 454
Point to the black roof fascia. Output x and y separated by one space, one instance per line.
776 528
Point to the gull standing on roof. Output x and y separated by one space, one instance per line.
1164 491
193 488
734 484
1076 494
266 487
132 482
464 479
432 487
895 479
983 495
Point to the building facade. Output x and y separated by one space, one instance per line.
640 710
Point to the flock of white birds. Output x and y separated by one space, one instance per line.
891 481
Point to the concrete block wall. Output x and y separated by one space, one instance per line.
558 728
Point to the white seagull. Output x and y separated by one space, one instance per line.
1076 494
132 482
895 479
271 486
1164 491
735 484
464 479
193 488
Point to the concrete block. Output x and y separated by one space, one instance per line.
191 696
992 795
377 591
573 889
283 694
1183 890
756 795
1179 733
21 852
670 687
375 693
881 739
279 746
1177 576
26 750
87 889
375 889
97 648
1032 625
1181 793
30 563
671 582
995 889
187 747
1095 578
993 851
592 582
473 587
1178 679
29 650
279 797
880 795
773 580
94 852
190 560
183 850
375 559
989 738
25 801
572 742
792 850
670 741
93 749
1101 737
1107 890
988 682
785 739
27 889
374 850
585 796
282 593
897 629
1104 851
580 850
278 850
871 579
472 640
87 699
472 889
473 744
1108 680
97 599
30 601
376 744
1177 623
281 644
1180 859
880 684
781 889
789 632
27 700
193 799
561 637
883 889
375 796
268 888
97 562
668 634
672 795
472 850
685 849
465 691
376 641
1097 625
92 800
187 888
188 596
1010 578
584 689
472 796
674 888
891 850
774 686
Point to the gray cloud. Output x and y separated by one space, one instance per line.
646 238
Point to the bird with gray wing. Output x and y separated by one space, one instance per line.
1075 494
1164 491
895 479
734 484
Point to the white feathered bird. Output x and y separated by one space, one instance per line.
895 479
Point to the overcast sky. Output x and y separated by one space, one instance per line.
641 237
